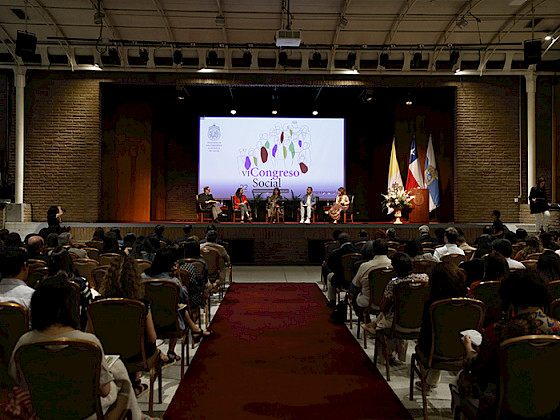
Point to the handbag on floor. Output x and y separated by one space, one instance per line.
339 313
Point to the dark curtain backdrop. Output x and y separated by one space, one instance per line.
150 141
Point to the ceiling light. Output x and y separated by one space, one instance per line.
220 21
316 59
409 102
461 23
178 57
453 58
233 112
416 60
247 58
315 112
283 58
274 112
114 56
548 37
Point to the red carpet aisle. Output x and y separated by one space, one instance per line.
276 355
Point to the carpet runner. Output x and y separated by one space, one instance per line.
276 355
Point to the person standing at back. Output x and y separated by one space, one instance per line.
539 205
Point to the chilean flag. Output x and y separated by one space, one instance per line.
414 178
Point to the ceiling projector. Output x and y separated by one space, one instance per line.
288 38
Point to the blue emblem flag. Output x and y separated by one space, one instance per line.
431 176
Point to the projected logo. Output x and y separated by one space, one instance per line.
214 133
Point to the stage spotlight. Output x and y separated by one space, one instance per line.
453 58
283 58
416 60
351 60
408 102
315 112
178 57
114 56
233 112
383 60
548 37
316 59
461 23
25 44
274 112
212 58
144 55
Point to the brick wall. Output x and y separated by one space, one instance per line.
63 161
487 149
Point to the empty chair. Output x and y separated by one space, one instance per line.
85 267
454 258
107 258
98 273
349 212
92 253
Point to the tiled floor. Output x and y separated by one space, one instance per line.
439 401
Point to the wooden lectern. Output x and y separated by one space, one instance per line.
419 211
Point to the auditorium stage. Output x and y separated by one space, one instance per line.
262 243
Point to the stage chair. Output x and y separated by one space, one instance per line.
143 264
530 264
448 318
489 293
14 322
164 295
234 211
200 212
528 367
120 325
98 273
85 268
95 244
350 210
378 280
92 253
62 375
408 303
280 212
453 258
108 257
424 266
350 264
313 214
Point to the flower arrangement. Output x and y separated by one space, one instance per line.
397 198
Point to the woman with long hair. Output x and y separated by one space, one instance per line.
240 202
273 206
53 315
341 203
123 280
532 246
60 264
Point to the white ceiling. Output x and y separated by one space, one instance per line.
494 32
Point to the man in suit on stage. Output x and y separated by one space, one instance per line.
308 202
206 201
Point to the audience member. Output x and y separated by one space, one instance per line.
450 247
4 234
402 264
414 250
521 235
362 236
425 240
158 230
532 246
335 277
54 218
526 291
36 247
128 242
98 234
511 237
504 247
117 232
13 286
52 240
361 279
65 240
486 232
547 241
197 281
391 236
122 280
447 281
498 228
462 242
212 243
474 269
53 316
13 239
549 265
187 230
495 268
329 249
111 243
440 235
60 264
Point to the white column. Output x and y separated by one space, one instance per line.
531 87
20 129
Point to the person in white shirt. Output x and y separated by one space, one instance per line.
361 279
308 202
13 287
503 246
450 247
